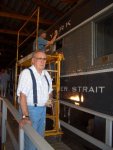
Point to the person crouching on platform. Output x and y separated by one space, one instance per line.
42 42
34 90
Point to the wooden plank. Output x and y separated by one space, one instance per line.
24 18
49 7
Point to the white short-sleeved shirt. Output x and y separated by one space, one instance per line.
25 86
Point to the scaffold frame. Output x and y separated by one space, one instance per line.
55 59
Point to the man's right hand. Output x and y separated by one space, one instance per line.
24 121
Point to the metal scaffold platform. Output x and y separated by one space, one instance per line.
53 67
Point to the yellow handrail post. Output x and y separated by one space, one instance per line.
37 27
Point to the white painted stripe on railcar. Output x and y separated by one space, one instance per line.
87 73
87 20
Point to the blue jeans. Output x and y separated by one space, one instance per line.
37 116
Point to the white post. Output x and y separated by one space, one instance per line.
108 138
69 113
0 105
0 111
21 139
4 118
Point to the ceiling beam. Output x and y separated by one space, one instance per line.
10 54
24 18
69 1
48 6
12 32
5 61
8 42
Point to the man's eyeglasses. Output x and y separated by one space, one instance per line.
39 59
